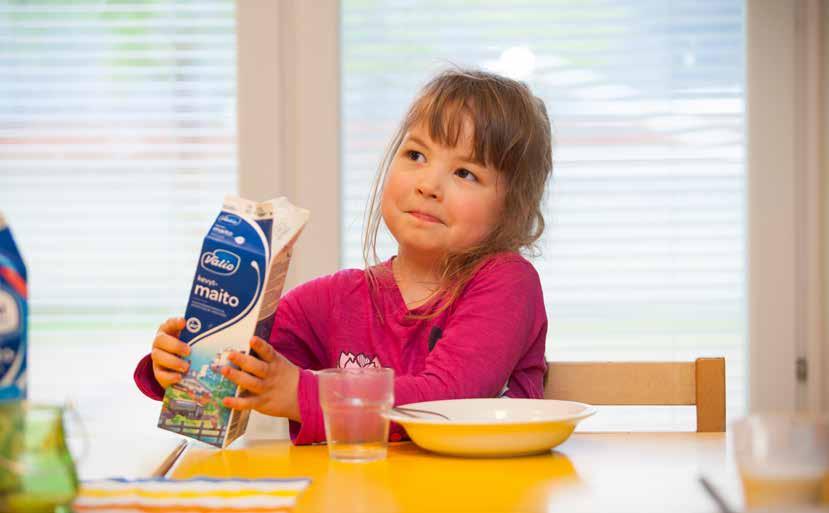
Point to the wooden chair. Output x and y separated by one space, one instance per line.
700 383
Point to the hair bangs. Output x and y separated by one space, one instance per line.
466 109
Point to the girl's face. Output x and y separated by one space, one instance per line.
436 199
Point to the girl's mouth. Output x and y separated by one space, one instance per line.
425 217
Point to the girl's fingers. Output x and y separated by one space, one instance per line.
165 377
244 380
172 326
249 364
170 344
240 403
168 361
264 350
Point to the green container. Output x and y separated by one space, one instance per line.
37 474
11 445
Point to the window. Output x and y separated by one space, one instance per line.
117 144
644 255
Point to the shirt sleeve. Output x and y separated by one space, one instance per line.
145 379
528 379
498 318
311 427
300 327
301 323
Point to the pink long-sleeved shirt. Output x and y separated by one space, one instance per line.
488 343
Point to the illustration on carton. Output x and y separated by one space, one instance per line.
14 315
235 292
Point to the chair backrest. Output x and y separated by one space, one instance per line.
700 383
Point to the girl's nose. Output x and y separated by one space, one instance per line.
429 185
427 191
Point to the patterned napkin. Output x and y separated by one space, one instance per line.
198 495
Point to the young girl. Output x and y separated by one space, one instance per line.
458 313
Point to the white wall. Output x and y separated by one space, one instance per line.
288 118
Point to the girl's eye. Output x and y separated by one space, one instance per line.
416 156
466 175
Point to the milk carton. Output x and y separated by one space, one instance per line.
14 315
236 289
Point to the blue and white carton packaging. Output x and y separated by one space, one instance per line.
235 292
14 316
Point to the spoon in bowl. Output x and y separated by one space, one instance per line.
414 413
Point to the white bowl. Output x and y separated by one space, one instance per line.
492 427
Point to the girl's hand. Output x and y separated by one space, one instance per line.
168 368
271 381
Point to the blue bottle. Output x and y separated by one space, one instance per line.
13 318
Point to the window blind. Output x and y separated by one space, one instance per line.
644 253
117 145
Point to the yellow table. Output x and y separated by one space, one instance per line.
590 472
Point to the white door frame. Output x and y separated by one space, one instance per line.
785 204
288 65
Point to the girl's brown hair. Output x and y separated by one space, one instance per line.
511 135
